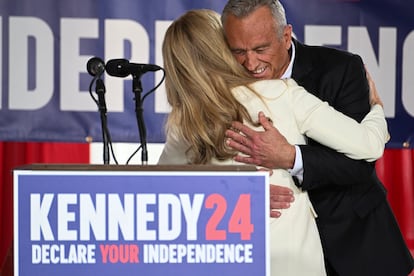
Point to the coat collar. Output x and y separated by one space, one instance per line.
303 63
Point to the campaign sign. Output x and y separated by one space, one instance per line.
140 223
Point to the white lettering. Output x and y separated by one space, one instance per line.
65 216
31 61
169 217
61 254
197 253
322 35
117 33
92 217
23 30
144 216
36 254
72 63
76 218
121 216
39 212
407 92
192 213
383 69
54 256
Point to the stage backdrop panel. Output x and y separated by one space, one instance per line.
46 44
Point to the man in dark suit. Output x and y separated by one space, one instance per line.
358 230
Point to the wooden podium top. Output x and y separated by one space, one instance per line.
94 167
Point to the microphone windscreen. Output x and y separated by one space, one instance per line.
95 66
117 67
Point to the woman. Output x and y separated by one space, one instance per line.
207 90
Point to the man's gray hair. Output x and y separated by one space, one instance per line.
243 8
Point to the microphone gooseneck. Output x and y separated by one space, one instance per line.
96 67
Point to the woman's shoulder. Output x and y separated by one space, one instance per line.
274 83
275 87
269 89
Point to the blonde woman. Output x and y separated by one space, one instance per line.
207 90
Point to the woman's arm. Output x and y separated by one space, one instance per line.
321 122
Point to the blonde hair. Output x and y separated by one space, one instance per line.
200 73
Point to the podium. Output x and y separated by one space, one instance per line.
140 220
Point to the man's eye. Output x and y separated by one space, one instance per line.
238 52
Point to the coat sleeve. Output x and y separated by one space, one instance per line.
346 88
322 123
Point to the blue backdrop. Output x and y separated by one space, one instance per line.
46 45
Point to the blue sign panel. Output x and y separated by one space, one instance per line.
141 223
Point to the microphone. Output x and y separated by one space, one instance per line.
95 66
122 68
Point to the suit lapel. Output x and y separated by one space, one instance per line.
303 64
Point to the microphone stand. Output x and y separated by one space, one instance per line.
100 91
137 89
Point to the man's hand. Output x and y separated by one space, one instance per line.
266 148
280 198
374 97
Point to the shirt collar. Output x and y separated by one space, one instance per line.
288 73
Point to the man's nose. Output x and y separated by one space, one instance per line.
250 61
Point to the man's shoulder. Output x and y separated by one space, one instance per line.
323 52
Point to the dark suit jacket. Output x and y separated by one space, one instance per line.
358 230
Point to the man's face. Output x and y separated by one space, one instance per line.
255 44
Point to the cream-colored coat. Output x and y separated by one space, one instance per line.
295 244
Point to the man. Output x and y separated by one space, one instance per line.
358 231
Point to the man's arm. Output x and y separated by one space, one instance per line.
318 174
